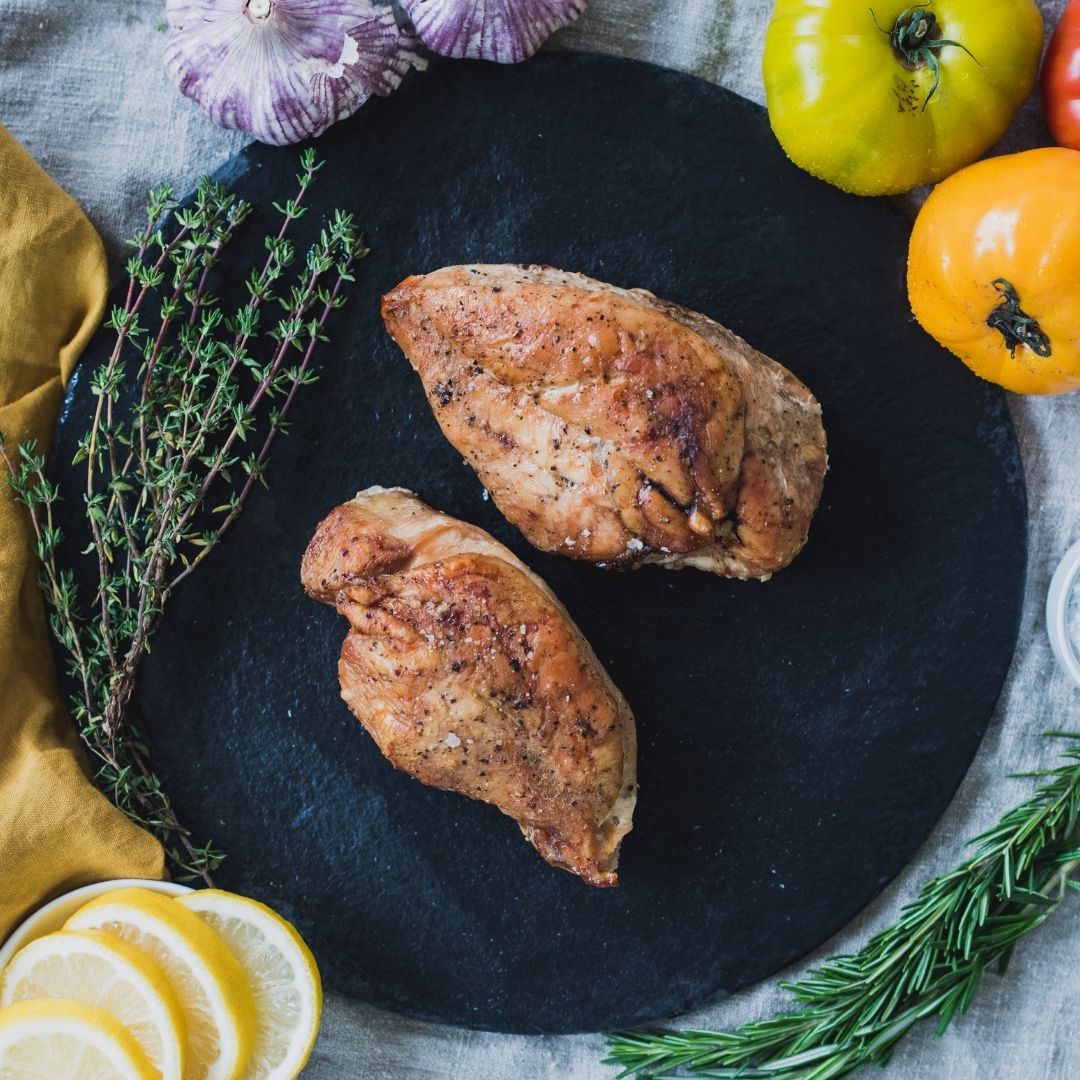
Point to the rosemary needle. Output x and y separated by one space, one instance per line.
856 1009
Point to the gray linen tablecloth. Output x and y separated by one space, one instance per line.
81 86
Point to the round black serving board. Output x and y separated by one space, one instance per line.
798 739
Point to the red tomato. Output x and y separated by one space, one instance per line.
1061 79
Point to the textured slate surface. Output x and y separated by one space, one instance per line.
798 739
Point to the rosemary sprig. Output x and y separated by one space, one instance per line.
188 404
928 964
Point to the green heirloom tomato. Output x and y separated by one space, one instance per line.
879 97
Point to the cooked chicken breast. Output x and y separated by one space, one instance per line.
471 676
612 426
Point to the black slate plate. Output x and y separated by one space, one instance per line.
798 739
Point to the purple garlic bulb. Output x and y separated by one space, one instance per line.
284 70
506 31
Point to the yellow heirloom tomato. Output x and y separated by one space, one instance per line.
994 269
879 97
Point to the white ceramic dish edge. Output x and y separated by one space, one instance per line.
55 913
1057 613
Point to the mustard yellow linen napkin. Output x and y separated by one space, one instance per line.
56 830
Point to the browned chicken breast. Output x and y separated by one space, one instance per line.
612 426
471 676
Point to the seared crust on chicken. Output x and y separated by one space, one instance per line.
471 676
611 426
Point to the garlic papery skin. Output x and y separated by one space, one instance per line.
506 31
284 70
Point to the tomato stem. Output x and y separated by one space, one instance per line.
1014 324
916 40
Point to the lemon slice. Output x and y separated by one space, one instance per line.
282 974
62 1040
93 968
218 1007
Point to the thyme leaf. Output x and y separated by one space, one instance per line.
186 409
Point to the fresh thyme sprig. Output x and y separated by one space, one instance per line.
928 964
187 407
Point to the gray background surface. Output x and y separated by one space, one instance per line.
81 86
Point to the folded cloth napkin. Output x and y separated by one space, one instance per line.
56 830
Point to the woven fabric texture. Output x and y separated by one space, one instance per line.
81 86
